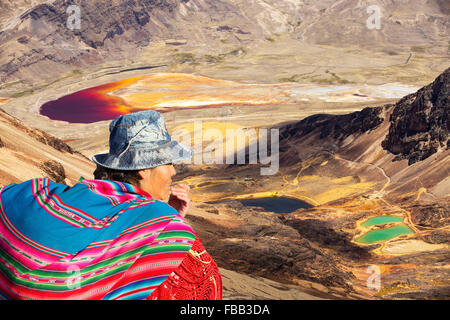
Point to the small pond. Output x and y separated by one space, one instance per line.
276 204
382 220
385 234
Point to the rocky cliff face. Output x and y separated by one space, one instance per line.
336 127
419 123
103 20
325 134
47 35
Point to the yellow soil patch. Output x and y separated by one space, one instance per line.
309 178
346 179
314 190
199 184
341 180
338 192
399 287
215 135
222 126
419 192
409 247
335 188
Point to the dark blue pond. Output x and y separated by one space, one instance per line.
276 204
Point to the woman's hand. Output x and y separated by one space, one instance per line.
179 198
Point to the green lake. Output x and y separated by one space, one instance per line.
385 234
382 220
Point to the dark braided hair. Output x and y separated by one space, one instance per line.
127 176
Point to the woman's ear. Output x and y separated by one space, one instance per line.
145 173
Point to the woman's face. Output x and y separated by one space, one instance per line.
157 181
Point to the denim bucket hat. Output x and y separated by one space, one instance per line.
140 141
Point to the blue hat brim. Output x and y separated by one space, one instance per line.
144 158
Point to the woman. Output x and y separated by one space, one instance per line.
109 238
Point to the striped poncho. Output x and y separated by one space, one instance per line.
96 240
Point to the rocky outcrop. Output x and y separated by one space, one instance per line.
430 215
420 122
336 127
264 245
434 217
54 170
326 236
282 260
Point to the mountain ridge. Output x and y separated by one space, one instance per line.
38 37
